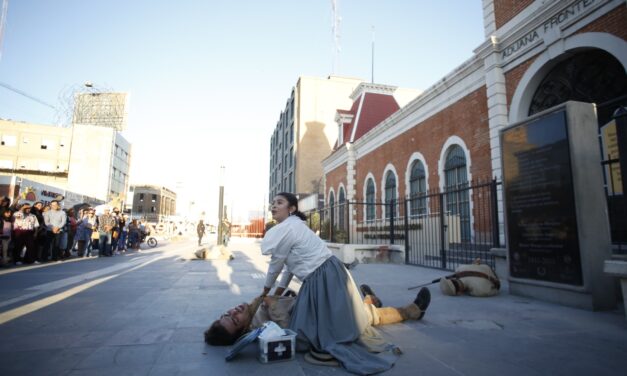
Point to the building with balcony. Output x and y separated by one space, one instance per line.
152 203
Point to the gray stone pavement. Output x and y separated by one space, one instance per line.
144 314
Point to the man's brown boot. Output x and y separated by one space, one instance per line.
367 291
416 310
410 312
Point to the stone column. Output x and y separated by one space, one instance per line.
497 113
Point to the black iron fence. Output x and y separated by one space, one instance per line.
441 229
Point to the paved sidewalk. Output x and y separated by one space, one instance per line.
148 319
500 335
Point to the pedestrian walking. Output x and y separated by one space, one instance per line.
200 230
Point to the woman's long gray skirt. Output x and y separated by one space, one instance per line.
329 314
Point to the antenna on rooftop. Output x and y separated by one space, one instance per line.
372 59
4 4
336 35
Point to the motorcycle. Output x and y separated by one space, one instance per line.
144 238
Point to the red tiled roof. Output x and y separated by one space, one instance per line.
375 109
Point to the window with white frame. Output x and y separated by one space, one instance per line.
341 208
418 189
370 206
8 140
390 194
46 144
456 187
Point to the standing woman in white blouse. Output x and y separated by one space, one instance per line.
329 314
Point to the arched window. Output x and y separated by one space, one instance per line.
418 189
390 194
592 76
456 187
341 207
370 206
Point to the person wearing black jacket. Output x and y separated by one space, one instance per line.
40 232
6 231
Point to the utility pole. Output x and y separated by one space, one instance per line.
221 207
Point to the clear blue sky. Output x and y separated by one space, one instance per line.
208 79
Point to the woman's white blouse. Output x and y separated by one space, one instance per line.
292 244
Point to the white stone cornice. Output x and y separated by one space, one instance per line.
366 87
343 118
467 78
487 47
335 159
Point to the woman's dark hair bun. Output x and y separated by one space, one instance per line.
293 201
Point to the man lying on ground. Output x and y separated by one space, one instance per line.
239 320
474 279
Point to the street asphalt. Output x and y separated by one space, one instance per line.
145 313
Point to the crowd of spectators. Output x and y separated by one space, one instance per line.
39 233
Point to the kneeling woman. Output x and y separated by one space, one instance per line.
329 314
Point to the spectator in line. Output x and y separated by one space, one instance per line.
40 231
123 225
95 239
71 231
115 231
134 234
86 226
5 203
6 230
55 220
24 226
106 223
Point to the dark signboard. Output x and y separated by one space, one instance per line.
540 201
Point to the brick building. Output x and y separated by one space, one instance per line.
536 54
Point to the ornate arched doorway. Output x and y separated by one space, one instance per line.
592 76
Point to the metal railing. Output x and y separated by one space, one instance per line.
465 230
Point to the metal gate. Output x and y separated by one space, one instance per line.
432 237
448 238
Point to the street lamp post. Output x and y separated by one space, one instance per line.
221 207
